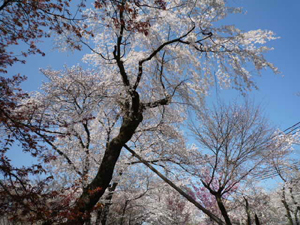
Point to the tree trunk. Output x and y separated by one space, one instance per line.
296 215
123 213
103 212
93 192
256 220
248 212
99 216
286 206
222 209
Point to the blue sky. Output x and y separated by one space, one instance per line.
277 93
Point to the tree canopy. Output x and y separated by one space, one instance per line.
151 64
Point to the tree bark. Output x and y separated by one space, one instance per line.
123 212
248 212
296 215
256 220
223 209
103 212
287 208
93 192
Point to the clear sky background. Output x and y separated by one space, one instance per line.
277 94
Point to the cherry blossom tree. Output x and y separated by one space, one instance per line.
82 125
163 62
288 172
255 205
153 61
235 142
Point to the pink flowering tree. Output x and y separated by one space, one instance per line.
154 60
236 142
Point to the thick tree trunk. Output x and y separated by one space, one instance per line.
223 209
256 220
93 192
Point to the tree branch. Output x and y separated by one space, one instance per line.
154 53
60 153
163 101
179 190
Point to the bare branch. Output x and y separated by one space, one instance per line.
175 187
